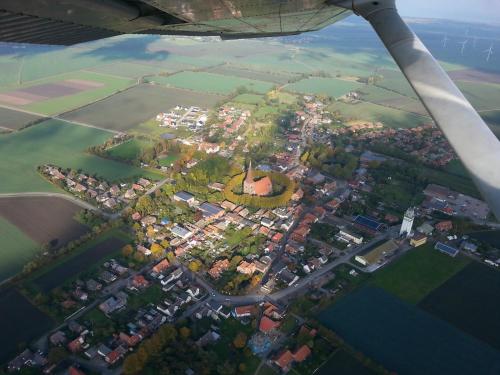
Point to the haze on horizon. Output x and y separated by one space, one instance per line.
477 11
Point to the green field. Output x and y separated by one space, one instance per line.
17 249
418 273
58 143
168 160
15 120
405 339
276 77
323 86
213 83
469 301
390 117
462 184
342 363
249 99
127 110
130 149
66 103
128 69
483 96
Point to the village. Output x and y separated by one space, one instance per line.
200 257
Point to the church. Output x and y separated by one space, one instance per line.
261 187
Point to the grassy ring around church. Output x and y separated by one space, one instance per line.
273 201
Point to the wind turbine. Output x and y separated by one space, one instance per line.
464 43
445 40
489 51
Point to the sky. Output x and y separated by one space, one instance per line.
487 11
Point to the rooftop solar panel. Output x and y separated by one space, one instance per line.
446 249
368 222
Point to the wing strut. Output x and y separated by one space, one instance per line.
468 134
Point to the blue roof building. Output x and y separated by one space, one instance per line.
446 249
368 223
183 196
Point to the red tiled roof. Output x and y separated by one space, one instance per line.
74 371
264 186
285 359
302 353
267 324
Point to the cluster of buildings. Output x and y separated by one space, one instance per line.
105 195
231 119
192 118
426 142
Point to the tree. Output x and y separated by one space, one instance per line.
240 340
184 332
127 250
157 250
57 354
194 265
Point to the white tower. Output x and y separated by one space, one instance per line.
407 222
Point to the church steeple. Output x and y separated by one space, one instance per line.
249 177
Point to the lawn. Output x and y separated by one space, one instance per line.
405 339
417 273
17 249
62 104
59 143
469 301
130 149
213 83
325 86
127 110
166 161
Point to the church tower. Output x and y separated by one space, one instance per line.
407 222
249 184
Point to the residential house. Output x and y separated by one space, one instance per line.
218 268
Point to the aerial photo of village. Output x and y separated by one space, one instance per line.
186 205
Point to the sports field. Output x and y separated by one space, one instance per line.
63 92
418 273
323 86
405 339
17 249
127 110
59 143
469 301
213 83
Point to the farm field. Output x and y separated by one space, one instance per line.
43 219
483 96
55 142
390 117
342 363
14 120
17 249
129 150
127 69
417 273
492 118
249 99
229 70
391 99
212 83
469 301
57 94
68 268
372 321
128 109
491 237
21 322
323 86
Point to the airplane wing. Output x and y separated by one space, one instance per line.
69 22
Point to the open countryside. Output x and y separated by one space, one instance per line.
330 148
